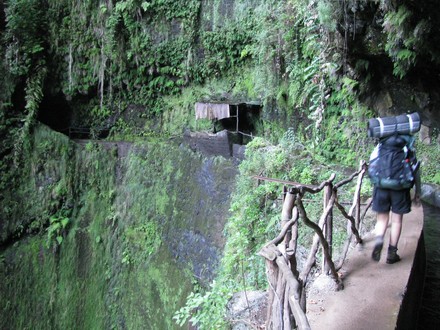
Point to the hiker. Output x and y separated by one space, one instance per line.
394 171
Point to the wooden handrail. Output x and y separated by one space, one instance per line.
280 251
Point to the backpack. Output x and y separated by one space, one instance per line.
393 163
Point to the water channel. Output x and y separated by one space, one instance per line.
429 316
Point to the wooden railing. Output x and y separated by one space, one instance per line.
88 133
287 296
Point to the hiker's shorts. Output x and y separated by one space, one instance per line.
398 201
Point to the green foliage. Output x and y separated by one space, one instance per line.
205 310
429 155
405 38
8 132
34 95
53 193
112 260
165 55
255 212
255 219
25 34
326 14
127 52
225 48
144 239
57 228
339 134
140 51
133 52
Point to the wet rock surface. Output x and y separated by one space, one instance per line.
431 194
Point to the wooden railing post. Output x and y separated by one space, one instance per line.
362 170
328 226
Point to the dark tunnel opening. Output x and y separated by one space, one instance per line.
243 118
56 113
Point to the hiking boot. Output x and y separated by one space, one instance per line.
376 251
392 256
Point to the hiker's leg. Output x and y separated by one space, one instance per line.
396 228
381 223
381 205
401 204
381 227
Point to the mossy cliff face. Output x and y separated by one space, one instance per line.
110 237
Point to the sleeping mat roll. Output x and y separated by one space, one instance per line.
386 126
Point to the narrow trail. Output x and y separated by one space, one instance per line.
373 292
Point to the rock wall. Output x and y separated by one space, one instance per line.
143 222
431 194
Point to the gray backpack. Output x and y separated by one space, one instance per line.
393 163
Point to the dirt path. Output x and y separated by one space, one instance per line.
373 291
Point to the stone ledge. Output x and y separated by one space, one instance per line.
431 194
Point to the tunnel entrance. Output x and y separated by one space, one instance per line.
56 113
234 117
242 118
234 125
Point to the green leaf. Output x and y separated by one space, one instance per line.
55 226
146 5
406 54
53 219
64 222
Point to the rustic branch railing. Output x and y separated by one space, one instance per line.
287 297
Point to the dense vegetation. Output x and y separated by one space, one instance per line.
94 240
317 67
298 58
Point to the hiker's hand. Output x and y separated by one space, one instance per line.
416 200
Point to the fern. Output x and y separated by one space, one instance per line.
403 39
34 95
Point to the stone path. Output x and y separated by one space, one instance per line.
373 292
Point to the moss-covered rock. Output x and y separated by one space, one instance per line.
108 241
